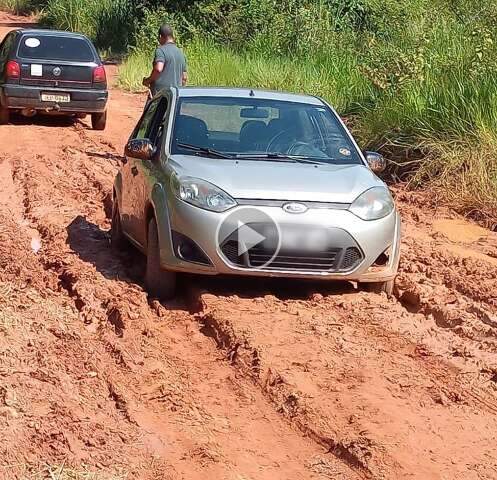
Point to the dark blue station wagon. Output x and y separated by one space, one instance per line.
52 72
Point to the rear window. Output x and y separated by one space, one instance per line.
50 47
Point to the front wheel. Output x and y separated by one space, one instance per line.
117 238
99 120
159 283
380 287
4 115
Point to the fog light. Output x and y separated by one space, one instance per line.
187 250
381 262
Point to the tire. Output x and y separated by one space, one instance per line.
118 240
160 284
380 287
4 115
99 120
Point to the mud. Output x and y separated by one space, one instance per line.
235 380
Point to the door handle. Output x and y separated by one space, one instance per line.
134 171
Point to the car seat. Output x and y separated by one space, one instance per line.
191 130
253 136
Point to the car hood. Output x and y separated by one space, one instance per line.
267 180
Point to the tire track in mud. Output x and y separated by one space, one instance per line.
439 365
140 347
342 434
286 400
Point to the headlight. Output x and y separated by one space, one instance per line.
202 194
373 204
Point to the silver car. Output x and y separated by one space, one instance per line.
248 182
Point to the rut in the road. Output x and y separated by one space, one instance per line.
152 374
373 379
301 354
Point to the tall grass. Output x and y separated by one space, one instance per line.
417 78
106 22
336 79
440 104
21 7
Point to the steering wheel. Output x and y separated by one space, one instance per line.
293 150
274 140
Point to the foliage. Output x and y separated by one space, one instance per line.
107 22
413 75
333 77
21 7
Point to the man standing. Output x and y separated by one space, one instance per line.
169 69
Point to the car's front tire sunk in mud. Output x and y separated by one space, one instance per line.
160 283
99 120
117 238
380 287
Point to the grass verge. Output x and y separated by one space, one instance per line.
334 77
448 121
19 7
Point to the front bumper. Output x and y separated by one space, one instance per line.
373 239
18 97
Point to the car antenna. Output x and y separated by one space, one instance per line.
252 94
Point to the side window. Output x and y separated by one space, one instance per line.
333 138
156 129
330 127
146 121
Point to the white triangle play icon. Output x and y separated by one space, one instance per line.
247 238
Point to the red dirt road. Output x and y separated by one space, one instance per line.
238 381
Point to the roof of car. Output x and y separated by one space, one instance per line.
46 31
247 93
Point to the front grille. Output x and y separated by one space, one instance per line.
318 261
230 250
333 250
351 259
332 260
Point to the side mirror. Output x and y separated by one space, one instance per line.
376 161
141 148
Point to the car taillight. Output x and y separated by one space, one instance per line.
99 75
13 70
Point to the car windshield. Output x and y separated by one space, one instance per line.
261 129
52 47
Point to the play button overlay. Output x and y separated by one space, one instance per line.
249 238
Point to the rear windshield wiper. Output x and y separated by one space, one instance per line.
204 150
281 157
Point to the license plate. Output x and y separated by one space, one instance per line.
304 238
56 97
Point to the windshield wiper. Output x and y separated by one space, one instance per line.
204 150
281 157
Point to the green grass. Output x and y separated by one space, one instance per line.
445 110
106 22
336 79
19 7
415 78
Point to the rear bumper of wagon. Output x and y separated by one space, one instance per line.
19 97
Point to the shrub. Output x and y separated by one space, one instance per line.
21 7
107 22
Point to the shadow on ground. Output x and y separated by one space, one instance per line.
41 120
92 245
